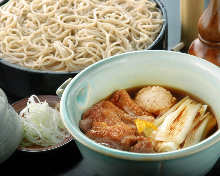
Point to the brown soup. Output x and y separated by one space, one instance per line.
131 120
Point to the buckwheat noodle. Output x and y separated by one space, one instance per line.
69 35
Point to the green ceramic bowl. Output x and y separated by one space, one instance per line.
167 68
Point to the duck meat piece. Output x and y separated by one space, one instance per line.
104 111
120 136
122 99
143 145
108 125
112 135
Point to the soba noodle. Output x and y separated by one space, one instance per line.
68 35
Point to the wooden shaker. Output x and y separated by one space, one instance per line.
207 45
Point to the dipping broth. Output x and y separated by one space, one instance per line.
149 119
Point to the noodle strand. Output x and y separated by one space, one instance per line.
69 35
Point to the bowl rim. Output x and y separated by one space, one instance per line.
92 145
2 2
25 69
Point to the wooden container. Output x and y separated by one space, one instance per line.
207 45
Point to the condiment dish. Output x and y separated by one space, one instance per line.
52 100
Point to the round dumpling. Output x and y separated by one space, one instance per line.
155 99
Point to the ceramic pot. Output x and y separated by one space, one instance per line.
166 68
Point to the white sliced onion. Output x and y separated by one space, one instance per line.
42 124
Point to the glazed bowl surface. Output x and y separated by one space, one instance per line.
29 81
166 68
11 129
